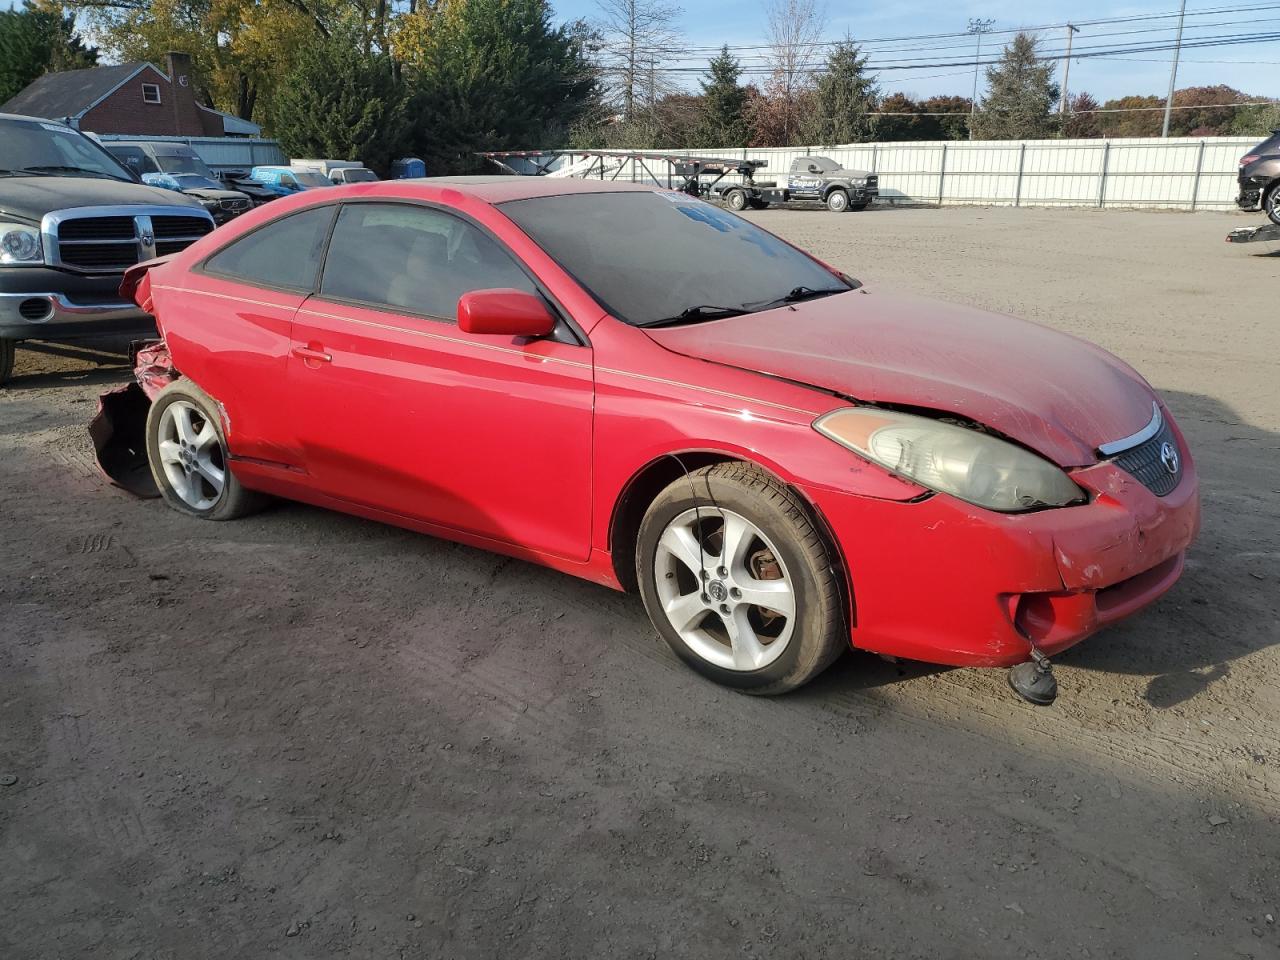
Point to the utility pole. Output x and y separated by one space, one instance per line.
978 27
1066 68
1173 73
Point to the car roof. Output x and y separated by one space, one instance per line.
500 189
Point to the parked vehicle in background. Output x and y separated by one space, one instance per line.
72 218
643 389
811 180
283 181
408 168
175 166
338 171
1259 178
239 181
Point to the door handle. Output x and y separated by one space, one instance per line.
307 353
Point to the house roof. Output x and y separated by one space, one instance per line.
71 93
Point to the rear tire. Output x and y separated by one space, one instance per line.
188 455
837 201
1271 204
736 200
6 358
739 581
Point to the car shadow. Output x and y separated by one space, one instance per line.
40 364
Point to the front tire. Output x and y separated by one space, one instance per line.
6 359
736 199
739 581
837 201
188 456
1271 205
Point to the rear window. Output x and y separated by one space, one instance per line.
649 257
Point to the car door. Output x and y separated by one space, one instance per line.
395 408
805 181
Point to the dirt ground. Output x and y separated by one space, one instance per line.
308 736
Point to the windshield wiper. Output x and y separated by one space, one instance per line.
53 169
797 294
704 311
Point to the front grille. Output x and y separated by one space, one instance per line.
189 229
112 239
106 257
97 228
235 204
1147 462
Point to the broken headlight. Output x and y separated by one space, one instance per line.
20 244
967 464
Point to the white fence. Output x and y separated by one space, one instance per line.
221 153
1181 173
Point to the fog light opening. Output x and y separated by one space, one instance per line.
36 309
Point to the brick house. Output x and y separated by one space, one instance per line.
130 98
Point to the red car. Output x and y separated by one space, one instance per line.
636 387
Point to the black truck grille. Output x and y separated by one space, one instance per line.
112 244
1150 462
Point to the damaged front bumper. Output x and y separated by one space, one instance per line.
941 581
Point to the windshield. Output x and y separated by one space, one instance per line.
35 149
651 258
176 163
312 179
192 181
360 175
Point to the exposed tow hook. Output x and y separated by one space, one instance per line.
1034 681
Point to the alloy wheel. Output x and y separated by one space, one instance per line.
724 589
191 455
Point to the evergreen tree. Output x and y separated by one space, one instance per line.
341 101
36 40
724 100
1020 95
844 99
494 75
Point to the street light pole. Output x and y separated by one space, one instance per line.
977 26
1173 73
1066 68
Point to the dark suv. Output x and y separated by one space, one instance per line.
1260 178
72 219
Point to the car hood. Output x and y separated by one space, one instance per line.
1052 392
211 193
30 198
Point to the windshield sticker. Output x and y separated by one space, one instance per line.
677 197
56 128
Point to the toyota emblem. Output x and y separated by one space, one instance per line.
1169 457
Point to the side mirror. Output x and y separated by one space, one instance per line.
504 312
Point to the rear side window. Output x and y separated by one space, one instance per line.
285 253
413 259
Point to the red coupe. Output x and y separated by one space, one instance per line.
637 387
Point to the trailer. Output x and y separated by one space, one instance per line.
1268 231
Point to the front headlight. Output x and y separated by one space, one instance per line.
964 463
20 243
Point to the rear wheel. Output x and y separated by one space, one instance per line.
188 456
738 580
1271 204
837 201
6 358
759 204
736 199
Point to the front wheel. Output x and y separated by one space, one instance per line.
1271 204
861 205
837 201
188 456
736 199
738 580
6 358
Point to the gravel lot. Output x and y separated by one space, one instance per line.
306 735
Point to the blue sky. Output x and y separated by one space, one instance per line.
1254 68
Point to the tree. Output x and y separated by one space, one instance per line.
493 75
843 99
1256 121
901 118
1020 95
723 121
633 35
35 40
793 28
1132 116
1082 119
341 101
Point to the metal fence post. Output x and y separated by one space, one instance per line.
875 153
1022 159
1195 184
1102 176
942 172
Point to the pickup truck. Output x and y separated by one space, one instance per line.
72 219
810 180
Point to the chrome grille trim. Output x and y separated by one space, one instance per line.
1146 463
142 244
1134 439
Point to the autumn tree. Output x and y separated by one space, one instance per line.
37 39
722 107
634 35
793 29
844 99
1082 119
1132 116
937 118
1020 95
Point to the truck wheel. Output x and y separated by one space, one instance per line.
6 358
736 199
1271 204
837 201
860 206
759 204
